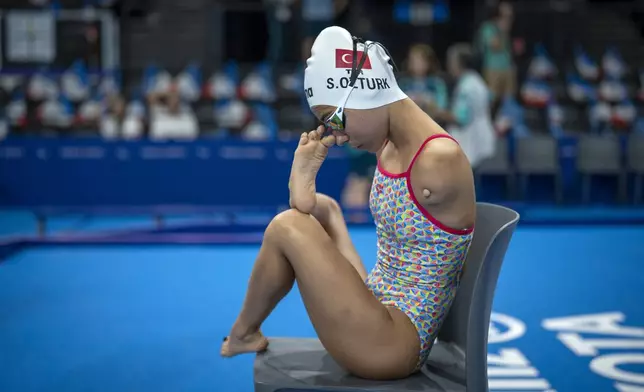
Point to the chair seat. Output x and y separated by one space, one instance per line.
304 365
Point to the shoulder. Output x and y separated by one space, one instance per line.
439 168
437 153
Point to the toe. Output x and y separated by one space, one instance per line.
304 138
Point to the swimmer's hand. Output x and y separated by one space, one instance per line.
311 151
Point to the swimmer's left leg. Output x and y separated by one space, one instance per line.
329 213
310 154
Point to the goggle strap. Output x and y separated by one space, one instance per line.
355 70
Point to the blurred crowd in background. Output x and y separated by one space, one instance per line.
181 70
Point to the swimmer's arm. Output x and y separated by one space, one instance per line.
438 170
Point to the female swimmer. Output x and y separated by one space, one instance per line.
379 325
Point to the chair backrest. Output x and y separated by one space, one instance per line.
537 155
575 120
468 321
599 155
499 163
535 120
636 153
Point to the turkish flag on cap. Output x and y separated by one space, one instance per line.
344 59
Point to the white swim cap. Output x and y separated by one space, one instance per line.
328 71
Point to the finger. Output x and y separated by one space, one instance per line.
340 138
313 135
328 141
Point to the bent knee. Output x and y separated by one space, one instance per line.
329 202
292 222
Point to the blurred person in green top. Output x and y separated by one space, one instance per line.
422 82
495 46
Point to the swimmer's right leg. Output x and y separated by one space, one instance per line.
366 337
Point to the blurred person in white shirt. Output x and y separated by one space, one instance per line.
469 116
118 122
170 118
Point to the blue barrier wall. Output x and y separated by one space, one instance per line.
93 172
90 172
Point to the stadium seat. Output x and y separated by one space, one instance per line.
538 155
635 158
600 155
575 120
458 361
498 165
535 120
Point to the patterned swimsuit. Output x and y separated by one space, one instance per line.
419 259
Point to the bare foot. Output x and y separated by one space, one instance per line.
308 158
253 343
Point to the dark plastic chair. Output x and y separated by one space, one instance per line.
600 156
458 361
535 120
575 120
498 164
538 155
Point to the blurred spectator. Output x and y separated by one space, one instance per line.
88 114
494 45
16 110
92 47
170 118
56 113
423 83
585 65
319 14
316 16
278 12
470 119
118 122
510 118
542 66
